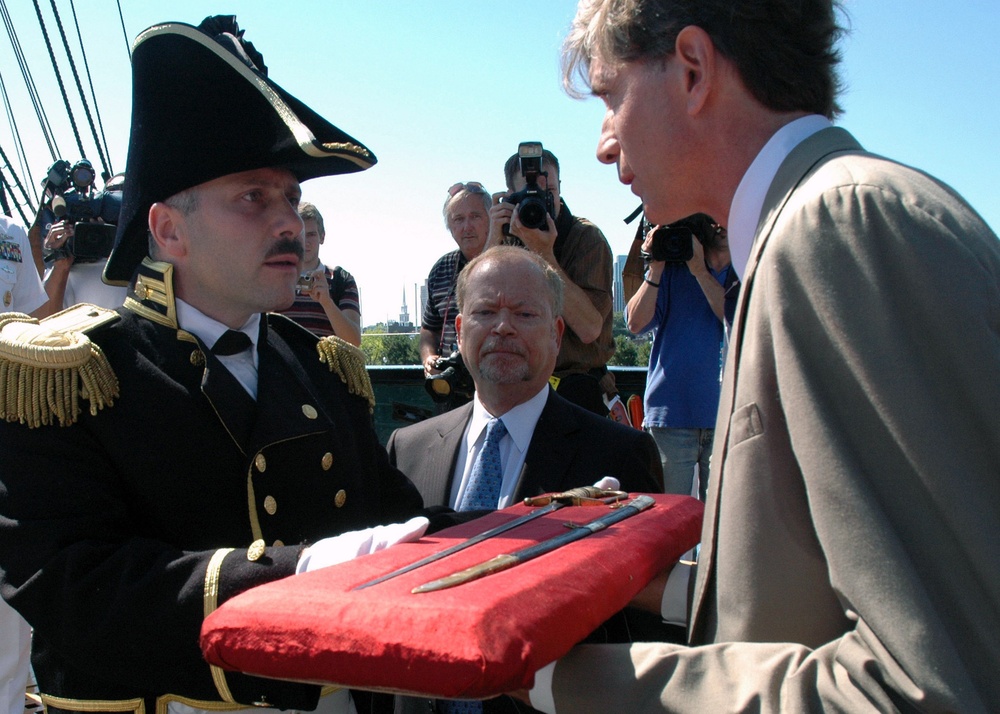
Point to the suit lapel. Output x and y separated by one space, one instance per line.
796 167
443 452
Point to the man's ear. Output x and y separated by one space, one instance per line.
697 57
458 331
560 328
168 228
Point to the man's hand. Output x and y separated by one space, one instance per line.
320 290
429 363
697 264
350 545
58 235
654 268
500 215
537 241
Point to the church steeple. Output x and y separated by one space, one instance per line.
404 313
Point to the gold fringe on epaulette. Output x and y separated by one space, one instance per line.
349 362
44 373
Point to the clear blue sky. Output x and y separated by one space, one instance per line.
443 91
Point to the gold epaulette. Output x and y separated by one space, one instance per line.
349 362
47 366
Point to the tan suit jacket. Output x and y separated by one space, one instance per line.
851 549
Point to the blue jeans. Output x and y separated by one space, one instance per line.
681 450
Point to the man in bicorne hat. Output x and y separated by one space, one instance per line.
221 441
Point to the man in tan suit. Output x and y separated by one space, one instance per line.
852 536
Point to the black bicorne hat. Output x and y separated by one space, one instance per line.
203 107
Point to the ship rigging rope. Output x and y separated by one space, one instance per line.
62 87
93 94
29 83
79 86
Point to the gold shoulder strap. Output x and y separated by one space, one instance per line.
47 366
349 362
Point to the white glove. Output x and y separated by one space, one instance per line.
350 545
608 483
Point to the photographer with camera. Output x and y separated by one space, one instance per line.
466 214
683 299
580 253
326 301
78 226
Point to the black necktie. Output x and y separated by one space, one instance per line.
232 342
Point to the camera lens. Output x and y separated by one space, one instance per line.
531 212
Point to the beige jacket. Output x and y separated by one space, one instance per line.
851 549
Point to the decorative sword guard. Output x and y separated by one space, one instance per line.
509 560
584 496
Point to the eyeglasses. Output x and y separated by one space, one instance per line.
471 187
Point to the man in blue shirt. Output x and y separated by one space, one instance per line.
684 304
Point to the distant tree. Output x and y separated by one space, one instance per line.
618 325
626 354
384 349
643 350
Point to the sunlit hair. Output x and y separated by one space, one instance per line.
309 212
549 160
504 255
460 190
785 50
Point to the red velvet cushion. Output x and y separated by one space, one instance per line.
472 641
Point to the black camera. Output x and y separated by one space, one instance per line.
453 380
533 202
673 243
75 201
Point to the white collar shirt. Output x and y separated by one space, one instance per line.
748 201
244 365
520 423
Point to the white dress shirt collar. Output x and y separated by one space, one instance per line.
242 366
748 201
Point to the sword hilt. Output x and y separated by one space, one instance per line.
582 496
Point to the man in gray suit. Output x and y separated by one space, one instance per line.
851 540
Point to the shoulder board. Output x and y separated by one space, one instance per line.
349 362
47 367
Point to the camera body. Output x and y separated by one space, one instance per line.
454 379
673 243
533 202
75 201
305 283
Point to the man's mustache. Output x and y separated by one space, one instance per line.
285 246
500 344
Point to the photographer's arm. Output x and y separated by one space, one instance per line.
641 308
712 288
428 349
579 311
55 283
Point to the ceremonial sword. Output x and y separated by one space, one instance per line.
584 496
509 560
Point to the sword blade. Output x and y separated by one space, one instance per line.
555 502
505 561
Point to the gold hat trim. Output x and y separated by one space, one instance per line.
349 363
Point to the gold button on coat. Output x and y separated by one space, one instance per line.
198 358
270 505
340 498
327 461
310 411
260 462
278 543
255 550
